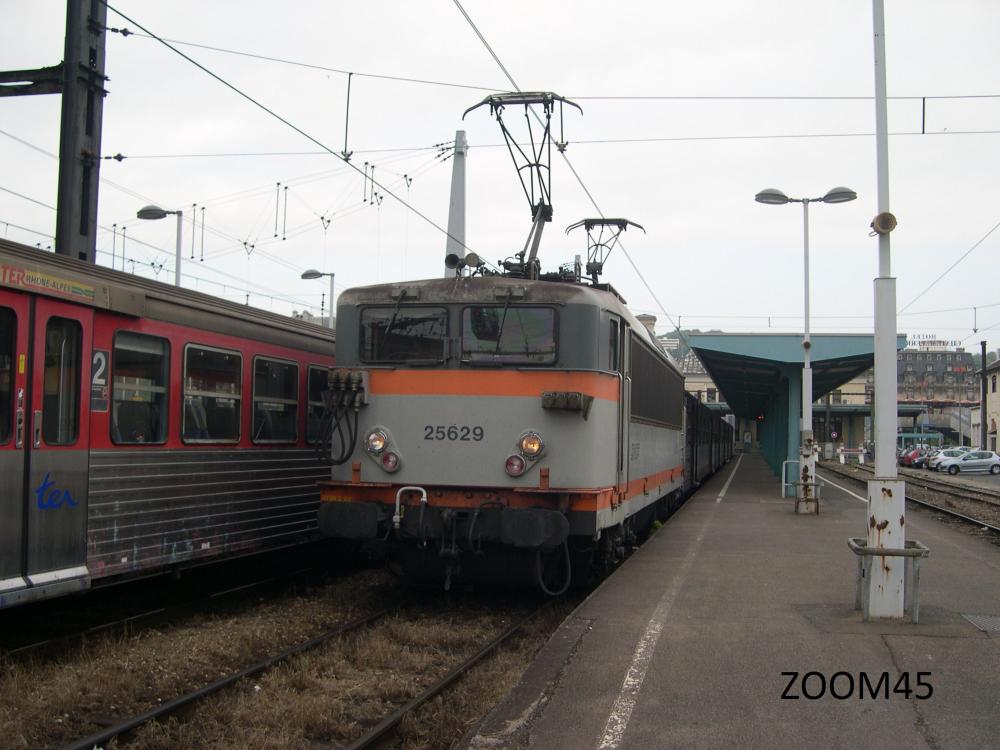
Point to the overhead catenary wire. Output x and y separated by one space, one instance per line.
952 266
283 120
706 317
705 98
115 233
571 168
597 207
591 97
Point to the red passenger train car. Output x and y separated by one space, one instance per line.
143 425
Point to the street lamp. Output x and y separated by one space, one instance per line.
153 213
775 197
312 273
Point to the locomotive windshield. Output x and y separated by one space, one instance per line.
403 333
509 335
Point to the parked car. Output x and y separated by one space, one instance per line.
933 461
972 462
920 461
910 456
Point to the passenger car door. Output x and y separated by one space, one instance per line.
45 458
58 442
14 317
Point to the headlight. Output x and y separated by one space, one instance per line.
530 445
376 441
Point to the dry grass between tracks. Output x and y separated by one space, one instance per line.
333 695
49 704
318 699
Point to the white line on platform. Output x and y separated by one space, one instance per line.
844 489
729 481
621 712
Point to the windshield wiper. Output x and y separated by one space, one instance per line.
388 328
503 320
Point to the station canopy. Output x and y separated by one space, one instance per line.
749 369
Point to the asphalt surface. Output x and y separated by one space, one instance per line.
694 641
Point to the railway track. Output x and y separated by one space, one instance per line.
976 506
159 615
379 728
177 704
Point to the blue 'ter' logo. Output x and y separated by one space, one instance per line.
48 497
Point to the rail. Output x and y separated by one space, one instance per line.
180 702
377 733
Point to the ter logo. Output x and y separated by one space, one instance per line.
49 497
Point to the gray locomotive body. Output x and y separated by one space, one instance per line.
494 427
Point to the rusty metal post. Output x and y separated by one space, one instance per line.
886 492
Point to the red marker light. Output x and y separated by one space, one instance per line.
515 466
390 461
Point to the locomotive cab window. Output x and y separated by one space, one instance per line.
139 375
212 391
61 383
275 401
508 334
614 355
403 333
317 383
8 329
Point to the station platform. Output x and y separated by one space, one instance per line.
685 646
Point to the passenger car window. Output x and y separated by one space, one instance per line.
139 375
509 335
275 401
61 383
212 390
403 333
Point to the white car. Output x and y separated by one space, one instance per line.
933 461
975 461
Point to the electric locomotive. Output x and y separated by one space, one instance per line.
496 427
505 425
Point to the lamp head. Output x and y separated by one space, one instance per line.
151 212
839 195
312 273
771 196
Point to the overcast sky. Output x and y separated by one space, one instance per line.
685 168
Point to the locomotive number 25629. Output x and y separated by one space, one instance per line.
464 433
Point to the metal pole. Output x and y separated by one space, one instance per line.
806 501
806 343
455 241
886 492
332 308
177 258
80 130
982 403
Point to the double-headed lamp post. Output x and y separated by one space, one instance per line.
312 273
155 212
805 495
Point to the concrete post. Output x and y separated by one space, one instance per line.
455 243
